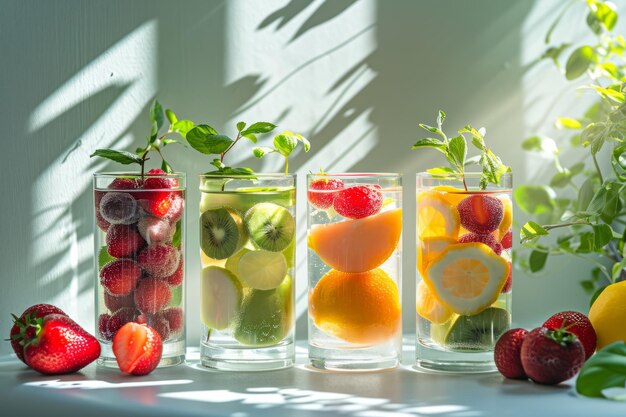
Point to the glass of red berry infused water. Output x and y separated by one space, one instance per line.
354 270
464 271
139 243
247 251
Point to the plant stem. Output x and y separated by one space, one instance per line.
595 162
286 165
230 147
558 225
464 183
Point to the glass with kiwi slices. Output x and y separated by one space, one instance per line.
247 250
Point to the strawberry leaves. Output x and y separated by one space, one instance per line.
602 372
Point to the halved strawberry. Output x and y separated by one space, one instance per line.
137 349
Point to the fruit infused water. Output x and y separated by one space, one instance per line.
354 270
140 258
247 250
464 271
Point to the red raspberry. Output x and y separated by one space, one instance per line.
577 323
123 241
480 213
488 240
174 317
120 277
322 192
114 303
507 240
159 260
152 295
507 354
176 278
358 201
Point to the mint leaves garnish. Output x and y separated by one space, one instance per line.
603 371
284 144
154 142
455 151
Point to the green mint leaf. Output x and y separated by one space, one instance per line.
140 150
533 143
561 179
241 126
104 257
261 151
285 143
602 235
440 119
604 14
233 171
157 119
182 127
534 199
205 139
171 117
431 143
217 163
305 142
568 123
532 230
537 260
166 167
258 128
606 369
458 150
554 53
122 157
250 136
430 129
474 160
178 234
167 141
618 162
579 62
593 23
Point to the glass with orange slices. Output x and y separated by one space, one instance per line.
464 270
354 270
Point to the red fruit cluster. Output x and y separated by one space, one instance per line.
480 213
50 342
141 219
488 240
549 354
358 201
322 192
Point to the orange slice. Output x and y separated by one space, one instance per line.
452 195
467 277
428 307
507 217
436 216
357 245
429 248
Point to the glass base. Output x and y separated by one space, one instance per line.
173 354
244 359
351 360
436 359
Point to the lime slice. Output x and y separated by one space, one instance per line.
221 296
261 269
233 261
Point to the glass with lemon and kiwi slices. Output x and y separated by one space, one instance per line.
464 270
247 250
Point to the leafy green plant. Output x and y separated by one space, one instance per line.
604 370
583 209
205 139
155 142
455 151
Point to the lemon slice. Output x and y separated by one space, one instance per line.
436 216
429 307
429 249
262 269
451 194
467 277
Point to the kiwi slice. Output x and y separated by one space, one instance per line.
221 232
263 319
478 332
220 299
271 226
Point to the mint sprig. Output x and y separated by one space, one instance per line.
284 144
455 151
154 142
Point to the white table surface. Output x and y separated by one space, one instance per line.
188 390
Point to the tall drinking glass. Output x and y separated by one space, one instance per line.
140 245
354 270
464 271
247 250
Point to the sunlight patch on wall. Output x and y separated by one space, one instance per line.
58 250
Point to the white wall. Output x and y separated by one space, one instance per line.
353 76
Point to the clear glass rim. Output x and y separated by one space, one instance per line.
357 174
115 174
248 177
